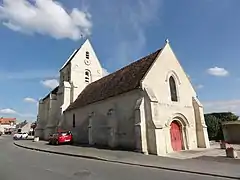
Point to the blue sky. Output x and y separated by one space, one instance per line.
37 36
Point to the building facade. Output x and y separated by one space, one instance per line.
81 68
7 124
149 106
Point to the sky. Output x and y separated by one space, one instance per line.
37 37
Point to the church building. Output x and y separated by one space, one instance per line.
75 75
149 106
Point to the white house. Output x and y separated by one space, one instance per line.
149 106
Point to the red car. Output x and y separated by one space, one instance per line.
61 138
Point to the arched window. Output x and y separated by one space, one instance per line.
88 76
74 123
173 89
87 55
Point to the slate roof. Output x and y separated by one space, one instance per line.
124 80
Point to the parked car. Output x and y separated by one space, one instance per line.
7 132
20 135
61 138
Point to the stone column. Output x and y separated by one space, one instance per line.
140 127
186 136
90 129
112 124
40 120
201 128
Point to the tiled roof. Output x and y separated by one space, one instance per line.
7 120
47 96
54 91
119 82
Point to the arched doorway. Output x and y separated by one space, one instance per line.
176 136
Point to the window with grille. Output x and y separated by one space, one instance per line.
87 55
87 76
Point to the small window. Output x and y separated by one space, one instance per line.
74 123
87 76
173 89
87 55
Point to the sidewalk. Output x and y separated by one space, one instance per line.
197 166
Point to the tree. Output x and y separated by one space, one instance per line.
213 126
214 123
225 116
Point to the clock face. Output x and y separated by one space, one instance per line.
87 61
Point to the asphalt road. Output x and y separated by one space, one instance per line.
21 164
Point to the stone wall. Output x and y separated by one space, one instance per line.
231 132
111 122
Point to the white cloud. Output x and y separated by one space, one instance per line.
216 71
221 106
131 21
8 111
30 100
45 17
50 83
28 74
11 112
105 72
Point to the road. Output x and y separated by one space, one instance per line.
21 164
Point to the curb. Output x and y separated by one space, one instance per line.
127 163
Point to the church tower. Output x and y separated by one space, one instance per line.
81 69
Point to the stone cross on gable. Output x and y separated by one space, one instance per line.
167 41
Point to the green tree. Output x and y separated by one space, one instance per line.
214 121
225 116
213 126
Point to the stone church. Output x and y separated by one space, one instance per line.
149 106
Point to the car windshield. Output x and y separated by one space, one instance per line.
63 133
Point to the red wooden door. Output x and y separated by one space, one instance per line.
176 136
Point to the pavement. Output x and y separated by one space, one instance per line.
226 168
212 153
17 163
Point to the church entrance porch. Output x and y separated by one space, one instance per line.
176 132
176 136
